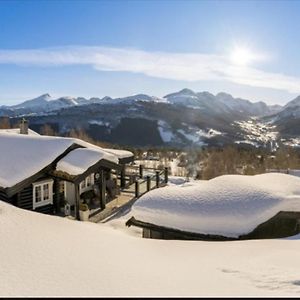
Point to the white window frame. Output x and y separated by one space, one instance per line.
87 188
41 184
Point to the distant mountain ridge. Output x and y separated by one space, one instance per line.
221 103
212 104
180 119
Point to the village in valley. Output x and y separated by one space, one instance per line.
152 179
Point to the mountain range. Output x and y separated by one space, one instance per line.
178 119
220 103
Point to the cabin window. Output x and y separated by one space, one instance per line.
38 193
87 183
42 193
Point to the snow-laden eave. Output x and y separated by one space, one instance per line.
124 156
187 234
102 163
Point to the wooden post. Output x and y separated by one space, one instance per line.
157 178
56 196
102 189
123 180
109 175
77 200
166 175
137 189
148 183
141 171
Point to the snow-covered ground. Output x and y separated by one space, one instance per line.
175 170
192 134
51 256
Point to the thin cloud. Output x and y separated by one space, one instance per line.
176 66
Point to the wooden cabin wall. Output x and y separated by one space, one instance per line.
25 201
25 198
282 225
4 197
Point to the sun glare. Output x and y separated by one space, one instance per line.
241 56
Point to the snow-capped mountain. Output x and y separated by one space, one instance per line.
42 100
205 101
290 110
45 103
135 98
244 106
221 103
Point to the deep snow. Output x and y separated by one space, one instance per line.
229 205
51 256
45 255
79 160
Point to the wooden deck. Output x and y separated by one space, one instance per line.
126 198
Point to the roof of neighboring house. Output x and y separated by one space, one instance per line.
228 205
22 156
17 131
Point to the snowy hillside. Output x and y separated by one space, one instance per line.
257 133
51 256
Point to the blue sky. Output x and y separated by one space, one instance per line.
250 49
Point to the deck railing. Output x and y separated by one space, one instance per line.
156 178
137 184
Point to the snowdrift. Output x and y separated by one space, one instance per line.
45 255
229 205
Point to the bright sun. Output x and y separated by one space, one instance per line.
241 56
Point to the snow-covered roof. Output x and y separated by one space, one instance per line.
22 156
229 205
17 131
79 160
119 153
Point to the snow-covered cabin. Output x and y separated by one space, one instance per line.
44 173
228 207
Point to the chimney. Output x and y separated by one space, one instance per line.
24 126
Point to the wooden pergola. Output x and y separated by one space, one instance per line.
100 167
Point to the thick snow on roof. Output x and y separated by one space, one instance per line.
17 131
79 160
60 257
119 153
22 156
116 152
229 205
